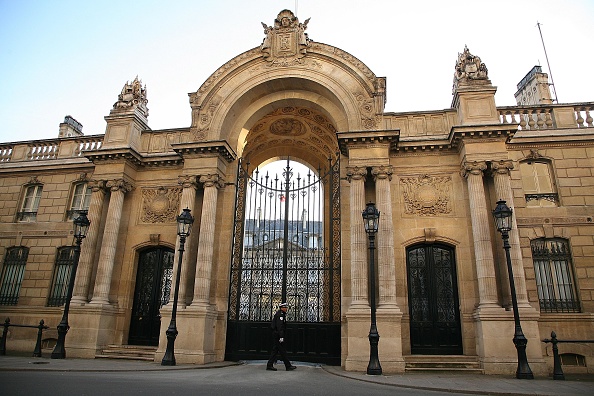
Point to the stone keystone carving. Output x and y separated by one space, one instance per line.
470 70
286 42
133 96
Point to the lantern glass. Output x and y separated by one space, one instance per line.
502 215
184 223
81 225
371 218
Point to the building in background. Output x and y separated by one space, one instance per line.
435 176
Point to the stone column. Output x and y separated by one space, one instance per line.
485 270
188 198
204 260
501 176
80 293
118 188
356 176
385 237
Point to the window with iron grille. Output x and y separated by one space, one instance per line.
554 275
61 278
539 183
12 274
81 199
30 203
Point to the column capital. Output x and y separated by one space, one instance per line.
356 173
502 167
119 184
382 172
212 180
97 185
187 181
473 167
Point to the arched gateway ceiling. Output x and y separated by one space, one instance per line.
292 131
289 95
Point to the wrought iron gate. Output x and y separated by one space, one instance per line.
286 248
153 287
433 301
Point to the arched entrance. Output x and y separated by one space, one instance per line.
433 300
287 242
153 287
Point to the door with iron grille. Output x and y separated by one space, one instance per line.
153 287
286 248
433 300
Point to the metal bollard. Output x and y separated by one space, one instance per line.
41 327
557 369
4 335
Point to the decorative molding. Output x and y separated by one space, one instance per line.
132 97
187 181
160 205
212 180
356 173
382 172
426 195
119 184
502 167
286 42
473 167
540 221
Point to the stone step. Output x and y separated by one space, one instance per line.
449 363
128 352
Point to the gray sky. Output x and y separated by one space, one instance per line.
69 57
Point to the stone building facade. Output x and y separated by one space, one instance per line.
442 283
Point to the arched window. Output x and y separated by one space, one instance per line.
539 183
554 275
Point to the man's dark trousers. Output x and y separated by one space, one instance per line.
278 347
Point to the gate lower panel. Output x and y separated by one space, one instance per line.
310 342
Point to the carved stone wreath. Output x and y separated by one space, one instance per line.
160 205
427 195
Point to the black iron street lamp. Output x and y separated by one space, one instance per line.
184 224
371 222
81 226
503 221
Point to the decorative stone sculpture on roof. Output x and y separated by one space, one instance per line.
133 96
286 42
470 70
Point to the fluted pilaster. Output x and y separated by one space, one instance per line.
187 200
109 243
356 176
385 237
204 260
501 176
485 270
80 293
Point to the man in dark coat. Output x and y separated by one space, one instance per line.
279 328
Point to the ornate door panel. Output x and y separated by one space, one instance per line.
286 248
153 286
433 301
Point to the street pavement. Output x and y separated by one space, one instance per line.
442 382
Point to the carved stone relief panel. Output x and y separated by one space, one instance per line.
427 195
160 205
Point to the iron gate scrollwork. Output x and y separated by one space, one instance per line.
286 248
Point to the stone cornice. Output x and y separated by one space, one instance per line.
464 132
347 139
220 148
132 156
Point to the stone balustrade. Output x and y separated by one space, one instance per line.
576 115
49 149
